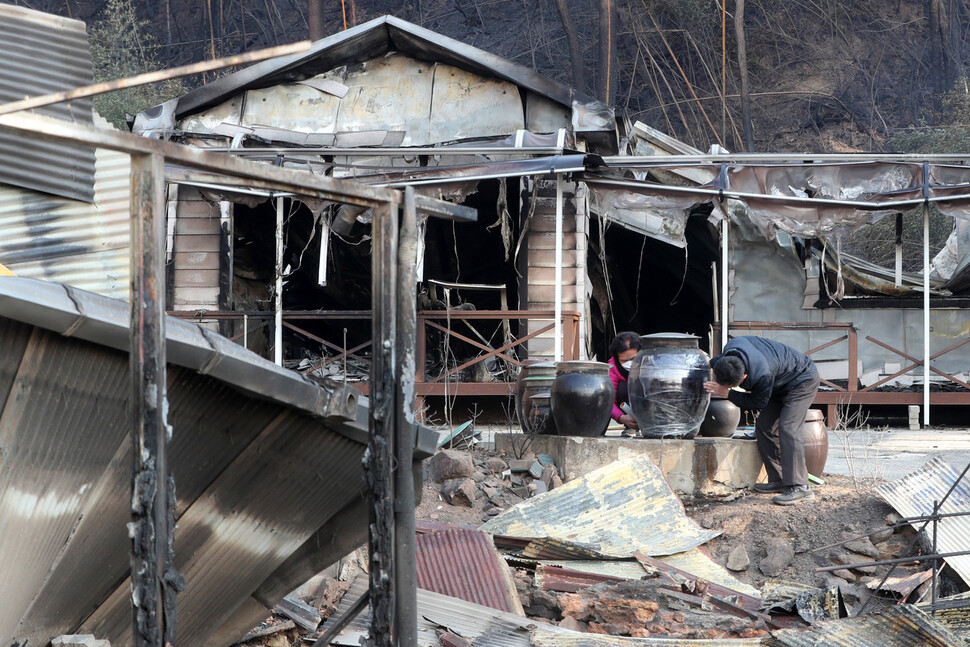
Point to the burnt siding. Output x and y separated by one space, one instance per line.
197 250
540 292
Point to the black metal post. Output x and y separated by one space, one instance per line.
405 557
152 501
377 460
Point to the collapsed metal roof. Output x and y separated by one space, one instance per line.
41 54
265 461
584 512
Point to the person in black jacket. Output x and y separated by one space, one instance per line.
781 383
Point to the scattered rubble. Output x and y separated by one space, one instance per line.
562 586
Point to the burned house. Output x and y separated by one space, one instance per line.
552 269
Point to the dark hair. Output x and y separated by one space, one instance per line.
728 371
624 341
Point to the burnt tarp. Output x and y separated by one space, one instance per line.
618 510
463 563
42 54
267 467
899 626
808 200
914 496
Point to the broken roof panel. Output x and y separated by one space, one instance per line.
260 480
914 495
463 563
42 54
618 510
900 626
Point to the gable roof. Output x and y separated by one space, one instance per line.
365 42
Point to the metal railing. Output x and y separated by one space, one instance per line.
448 326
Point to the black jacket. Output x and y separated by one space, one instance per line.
772 369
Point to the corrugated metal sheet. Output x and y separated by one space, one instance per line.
617 510
900 626
483 626
257 479
42 54
913 496
52 238
956 617
464 564
542 638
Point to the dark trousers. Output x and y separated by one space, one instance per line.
778 431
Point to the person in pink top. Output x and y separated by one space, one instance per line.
623 349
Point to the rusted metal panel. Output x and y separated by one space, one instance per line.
585 512
68 241
914 496
555 578
463 563
901 626
41 54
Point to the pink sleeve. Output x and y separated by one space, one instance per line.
615 378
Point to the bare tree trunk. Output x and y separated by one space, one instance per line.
575 53
936 46
315 19
604 87
743 67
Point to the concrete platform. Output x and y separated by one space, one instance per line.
708 467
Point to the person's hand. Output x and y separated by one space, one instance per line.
628 421
714 388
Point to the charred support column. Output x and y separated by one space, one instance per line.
405 553
377 459
154 582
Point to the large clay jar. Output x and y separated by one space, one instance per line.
534 377
816 438
721 419
582 398
667 386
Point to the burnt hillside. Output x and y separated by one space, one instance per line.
823 75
